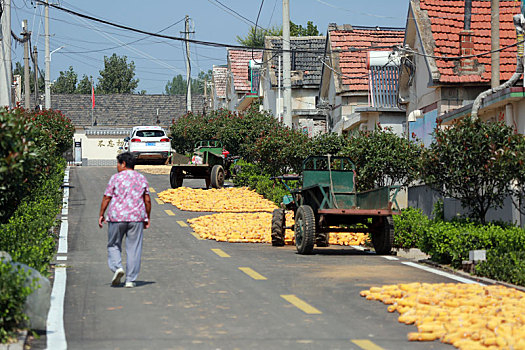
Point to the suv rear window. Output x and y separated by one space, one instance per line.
149 133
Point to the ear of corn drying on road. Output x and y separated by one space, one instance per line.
243 216
467 316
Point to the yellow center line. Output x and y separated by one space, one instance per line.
252 273
152 190
221 253
182 223
159 201
300 304
169 212
366 344
197 236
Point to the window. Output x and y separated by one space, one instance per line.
150 133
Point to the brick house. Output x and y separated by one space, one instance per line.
218 93
431 86
240 92
306 68
354 93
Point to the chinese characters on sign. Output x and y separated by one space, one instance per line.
110 143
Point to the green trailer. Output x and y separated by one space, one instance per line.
211 170
328 202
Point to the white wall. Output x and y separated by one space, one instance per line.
104 149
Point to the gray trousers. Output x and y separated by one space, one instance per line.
133 232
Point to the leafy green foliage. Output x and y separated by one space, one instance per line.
178 85
13 294
29 144
255 37
506 266
410 226
299 30
281 151
84 85
117 76
26 236
255 178
66 83
474 162
382 158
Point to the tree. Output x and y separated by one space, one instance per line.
178 86
255 37
299 30
382 158
66 82
19 70
117 76
84 85
474 162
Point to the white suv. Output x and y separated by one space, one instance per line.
148 143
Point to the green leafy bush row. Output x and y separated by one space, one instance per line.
29 145
253 177
450 243
27 235
13 294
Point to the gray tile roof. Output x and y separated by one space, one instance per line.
125 109
305 62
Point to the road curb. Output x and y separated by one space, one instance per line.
19 345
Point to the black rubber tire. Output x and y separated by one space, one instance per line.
176 179
304 229
278 224
383 237
217 176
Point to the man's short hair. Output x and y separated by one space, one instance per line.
128 158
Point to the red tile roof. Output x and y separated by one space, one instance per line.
219 79
447 21
353 65
238 61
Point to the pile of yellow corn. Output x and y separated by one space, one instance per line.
244 216
256 228
154 169
231 200
468 316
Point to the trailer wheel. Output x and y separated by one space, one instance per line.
304 229
217 176
278 224
176 178
383 236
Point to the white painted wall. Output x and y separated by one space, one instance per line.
99 147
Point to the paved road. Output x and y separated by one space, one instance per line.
193 294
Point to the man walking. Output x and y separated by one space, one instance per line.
127 195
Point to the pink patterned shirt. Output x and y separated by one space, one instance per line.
127 189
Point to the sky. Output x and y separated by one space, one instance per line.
82 44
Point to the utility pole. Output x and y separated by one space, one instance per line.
188 65
27 78
5 54
287 80
494 43
47 78
35 63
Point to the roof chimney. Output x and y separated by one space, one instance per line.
468 14
466 43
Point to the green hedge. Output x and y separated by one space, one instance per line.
27 236
256 179
12 298
450 243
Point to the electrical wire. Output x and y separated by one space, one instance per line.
197 42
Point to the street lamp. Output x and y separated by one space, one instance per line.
55 50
